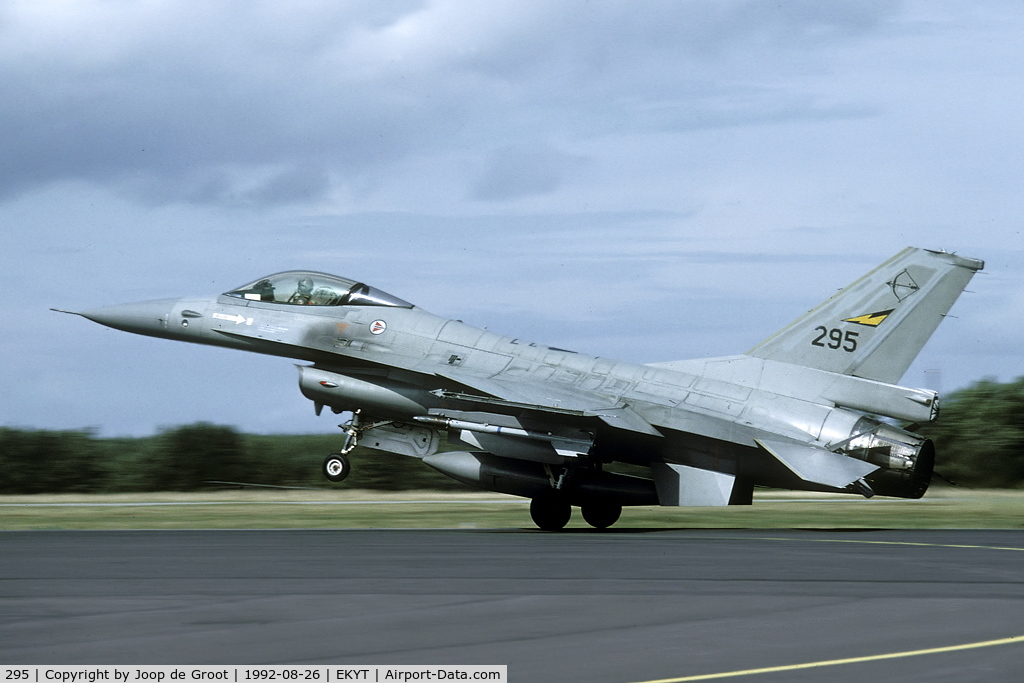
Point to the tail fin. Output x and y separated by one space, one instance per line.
876 327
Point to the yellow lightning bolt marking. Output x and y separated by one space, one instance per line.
870 319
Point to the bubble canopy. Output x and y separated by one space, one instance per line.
309 288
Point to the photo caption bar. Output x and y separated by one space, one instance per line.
339 673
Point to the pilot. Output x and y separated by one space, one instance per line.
304 293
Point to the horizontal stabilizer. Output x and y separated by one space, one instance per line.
816 464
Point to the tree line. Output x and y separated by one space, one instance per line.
193 457
979 440
979 436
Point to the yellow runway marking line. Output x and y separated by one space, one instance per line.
927 545
837 662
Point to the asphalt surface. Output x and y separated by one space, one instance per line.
581 606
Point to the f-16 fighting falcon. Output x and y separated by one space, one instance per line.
801 410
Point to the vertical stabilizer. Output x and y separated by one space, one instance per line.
876 327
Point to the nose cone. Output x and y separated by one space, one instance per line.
144 317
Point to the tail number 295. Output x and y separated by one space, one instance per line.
835 339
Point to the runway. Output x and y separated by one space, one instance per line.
611 607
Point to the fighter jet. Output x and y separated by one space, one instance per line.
816 406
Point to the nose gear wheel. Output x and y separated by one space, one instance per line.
337 467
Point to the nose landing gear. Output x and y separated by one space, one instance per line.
337 467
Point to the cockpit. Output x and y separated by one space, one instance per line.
309 288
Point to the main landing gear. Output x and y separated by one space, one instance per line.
551 512
601 515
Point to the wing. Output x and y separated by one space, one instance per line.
542 399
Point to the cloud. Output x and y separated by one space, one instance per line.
199 105
522 171
638 180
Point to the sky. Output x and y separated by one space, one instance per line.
643 181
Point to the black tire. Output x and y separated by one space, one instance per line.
601 515
550 512
336 467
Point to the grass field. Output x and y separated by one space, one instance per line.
353 509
